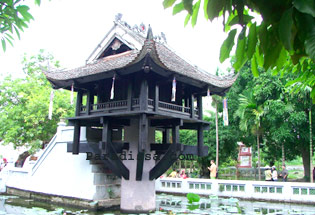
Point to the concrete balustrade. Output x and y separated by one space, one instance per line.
294 192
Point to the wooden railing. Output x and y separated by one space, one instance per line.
173 107
122 104
109 105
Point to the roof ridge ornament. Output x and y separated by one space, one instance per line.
150 33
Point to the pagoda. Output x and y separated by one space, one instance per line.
134 84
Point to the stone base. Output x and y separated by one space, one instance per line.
112 204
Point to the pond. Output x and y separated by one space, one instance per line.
166 204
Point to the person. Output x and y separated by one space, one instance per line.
284 174
274 174
213 170
268 174
173 174
4 163
183 175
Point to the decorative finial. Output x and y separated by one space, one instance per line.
118 17
150 33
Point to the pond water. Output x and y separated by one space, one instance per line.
166 204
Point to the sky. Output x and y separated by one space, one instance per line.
71 29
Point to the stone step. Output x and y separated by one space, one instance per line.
109 204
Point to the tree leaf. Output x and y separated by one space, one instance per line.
235 20
178 8
168 3
3 44
17 32
310 45
214 7
187 19
195 13
37 2
285 29
254 66
188 5
240 52
227 46
205 6
252 41
305 6
282 59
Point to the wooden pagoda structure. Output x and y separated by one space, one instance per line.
130 75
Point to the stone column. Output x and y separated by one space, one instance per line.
138 196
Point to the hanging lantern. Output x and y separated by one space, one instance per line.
113 87
174 90
72 91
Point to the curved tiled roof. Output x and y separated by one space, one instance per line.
158 52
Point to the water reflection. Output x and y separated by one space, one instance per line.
166 204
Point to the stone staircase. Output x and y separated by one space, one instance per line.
106 183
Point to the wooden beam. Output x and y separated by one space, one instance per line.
79 103
86 147
194 126
166 122
156 98
139 171
76 138
167 160
199 105
143 132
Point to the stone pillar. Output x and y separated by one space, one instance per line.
138 196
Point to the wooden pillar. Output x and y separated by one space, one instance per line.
76 138
143 138
156 98
129 96
200 140
192 106
143 132
106 135
79 103
143 98
199 106
89 100
175 134
166 136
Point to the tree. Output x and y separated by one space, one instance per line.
287 30
250 114
24 105
14 18
307 94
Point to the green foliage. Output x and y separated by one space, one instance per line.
192 197
279 41
25 102
14 18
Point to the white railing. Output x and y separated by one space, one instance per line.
251 190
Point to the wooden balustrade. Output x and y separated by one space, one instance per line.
122 104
